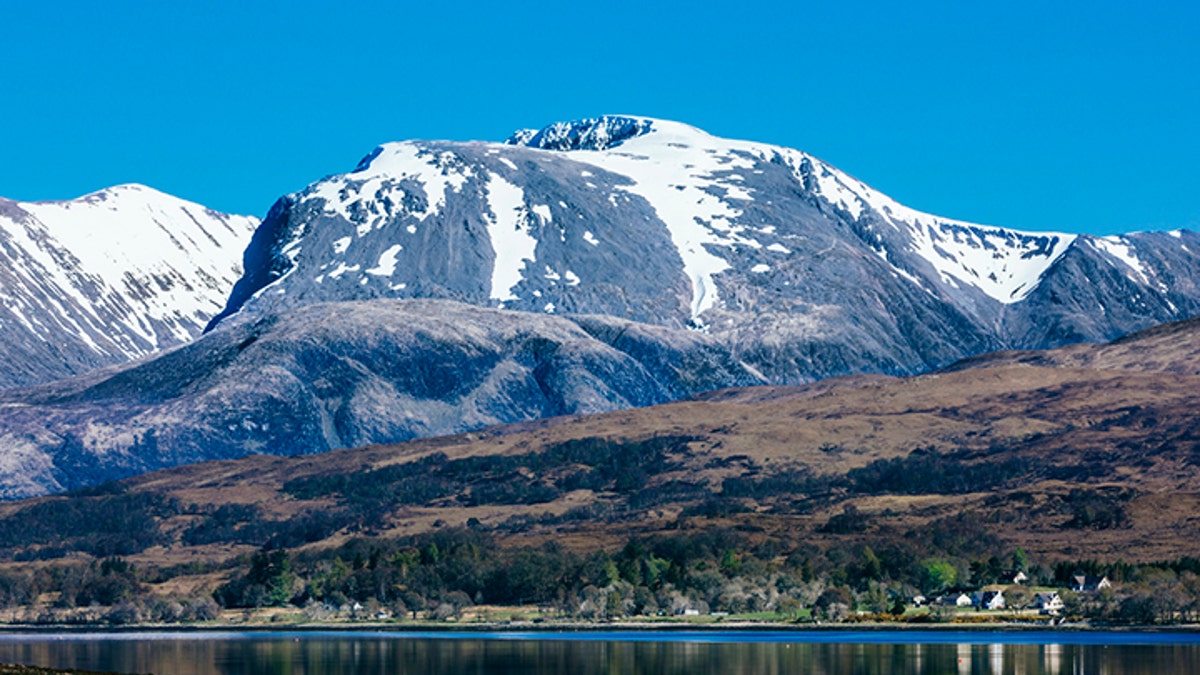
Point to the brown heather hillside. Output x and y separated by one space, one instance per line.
1083 452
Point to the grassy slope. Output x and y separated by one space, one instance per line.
1115 420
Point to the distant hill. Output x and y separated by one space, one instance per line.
109 277
334 375
1081 452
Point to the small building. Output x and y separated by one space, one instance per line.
953 600
1020 578
1083 583
1048 603
919 600
988 599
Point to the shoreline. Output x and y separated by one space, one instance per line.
521 628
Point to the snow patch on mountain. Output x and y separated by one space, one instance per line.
1121 249
1005 264
341 269
508 228
542 211
379 188
386 266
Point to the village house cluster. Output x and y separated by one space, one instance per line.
1049 602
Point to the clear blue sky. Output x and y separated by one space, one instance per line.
1079 116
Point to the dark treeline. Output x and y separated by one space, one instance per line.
102 522
440 574
622 467
110 521
924 471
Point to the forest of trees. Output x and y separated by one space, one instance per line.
712 558
436 576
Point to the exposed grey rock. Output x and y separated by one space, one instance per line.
1092 295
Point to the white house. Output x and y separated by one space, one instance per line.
1085 582
988 599
1048 603
953 600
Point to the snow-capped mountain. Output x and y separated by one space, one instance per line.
802 269
645 261
109 277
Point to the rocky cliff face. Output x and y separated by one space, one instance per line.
109 277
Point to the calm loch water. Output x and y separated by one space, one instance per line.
728 653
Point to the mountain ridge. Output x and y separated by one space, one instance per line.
733 237
110 276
